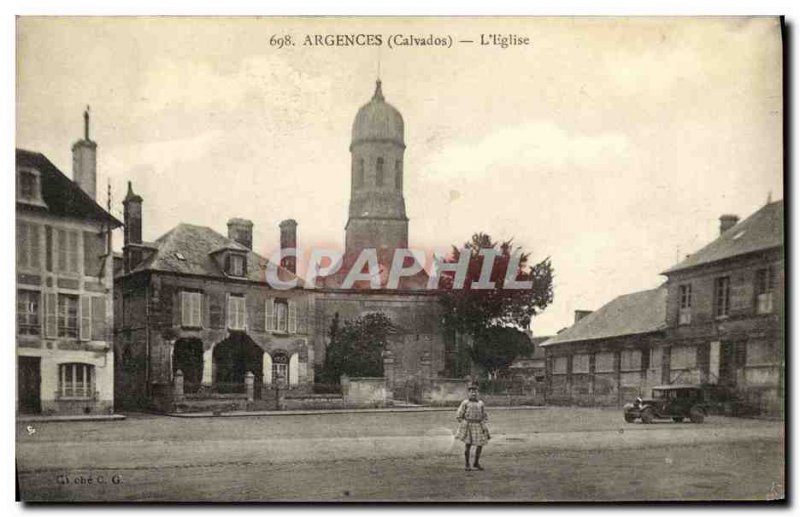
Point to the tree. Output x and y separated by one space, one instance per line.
495 348
356 347
472 311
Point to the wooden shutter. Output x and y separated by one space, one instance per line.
242 312
22 240
197 307
85 327
51 315
294 370
292 317
99 318
270 314
185 309
61 249
33 235
267 368
230 312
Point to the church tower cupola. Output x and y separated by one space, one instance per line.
377 217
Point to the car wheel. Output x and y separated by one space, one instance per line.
678 419
697 415
647 416
629 418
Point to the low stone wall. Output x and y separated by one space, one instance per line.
444 392
365 392
313 401
533 399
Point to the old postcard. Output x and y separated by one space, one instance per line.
406 259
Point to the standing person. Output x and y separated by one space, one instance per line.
472 430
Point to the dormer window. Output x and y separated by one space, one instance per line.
235 265
29 187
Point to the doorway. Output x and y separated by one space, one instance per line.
29 380
187 356
233 358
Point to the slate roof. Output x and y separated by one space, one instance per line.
189 249
635 313
761 231
62 195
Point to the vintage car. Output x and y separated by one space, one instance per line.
676 402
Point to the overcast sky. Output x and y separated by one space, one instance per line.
610 145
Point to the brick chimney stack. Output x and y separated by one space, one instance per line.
132 213
84 160
289 240
241 231
726 222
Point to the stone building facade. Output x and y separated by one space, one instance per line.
611 355
198 302
726 311
64 282
718 321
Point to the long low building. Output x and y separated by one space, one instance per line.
718 320
610 355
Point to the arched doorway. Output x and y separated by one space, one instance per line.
233 358
187 356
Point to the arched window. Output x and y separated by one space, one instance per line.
360 173
76 380
379 172
398 174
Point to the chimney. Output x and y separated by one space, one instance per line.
132 213
288 240
726 222
241 231
579 315
84 160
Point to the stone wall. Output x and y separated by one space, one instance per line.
365 392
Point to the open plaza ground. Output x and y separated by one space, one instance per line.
543 454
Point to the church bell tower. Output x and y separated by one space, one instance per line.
377 217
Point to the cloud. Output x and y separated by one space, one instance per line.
529 146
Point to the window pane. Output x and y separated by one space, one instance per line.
281 308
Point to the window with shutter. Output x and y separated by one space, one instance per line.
722 296
67 245
236 312
28 322
28 245
94 249
765 285
68 315
281 316
191 309
685 310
